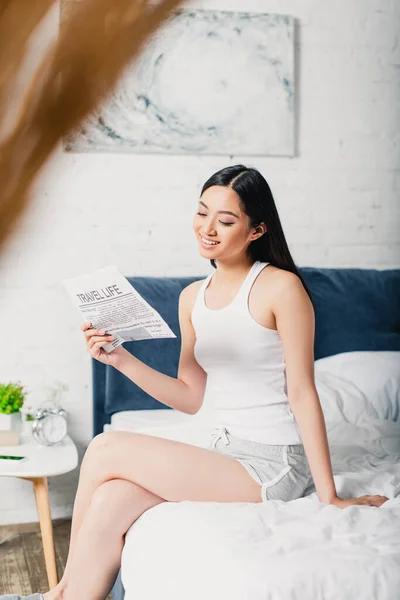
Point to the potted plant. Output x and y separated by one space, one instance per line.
12 397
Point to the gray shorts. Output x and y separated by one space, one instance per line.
282 471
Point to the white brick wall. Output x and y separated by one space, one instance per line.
338 200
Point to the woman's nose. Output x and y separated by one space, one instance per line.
209 227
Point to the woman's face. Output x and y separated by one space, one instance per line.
219 219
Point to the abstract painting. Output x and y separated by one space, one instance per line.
208 82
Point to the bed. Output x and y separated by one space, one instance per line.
296 550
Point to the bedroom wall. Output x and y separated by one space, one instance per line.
338 200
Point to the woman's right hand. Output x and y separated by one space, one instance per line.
376 500
95 340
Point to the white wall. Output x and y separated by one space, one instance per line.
338 200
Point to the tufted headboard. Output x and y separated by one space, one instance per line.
355 309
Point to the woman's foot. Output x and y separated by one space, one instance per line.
56 593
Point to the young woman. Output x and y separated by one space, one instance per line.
247 354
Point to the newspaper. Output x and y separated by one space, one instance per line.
107 299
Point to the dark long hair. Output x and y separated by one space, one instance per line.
258 203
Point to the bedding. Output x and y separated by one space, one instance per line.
295 550
170 424
376 374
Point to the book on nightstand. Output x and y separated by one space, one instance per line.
9 437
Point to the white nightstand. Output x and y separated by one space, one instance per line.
42 462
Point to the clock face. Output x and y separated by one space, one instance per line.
54 428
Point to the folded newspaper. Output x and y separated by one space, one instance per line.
107 299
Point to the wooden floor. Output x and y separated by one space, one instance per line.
22 568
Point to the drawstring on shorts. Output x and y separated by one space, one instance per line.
220 432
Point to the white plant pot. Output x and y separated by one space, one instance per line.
12 421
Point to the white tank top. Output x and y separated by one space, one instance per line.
246 379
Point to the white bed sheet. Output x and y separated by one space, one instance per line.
167 423
299 550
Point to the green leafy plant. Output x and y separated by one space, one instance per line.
27 413
12 397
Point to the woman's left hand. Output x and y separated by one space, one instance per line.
364 500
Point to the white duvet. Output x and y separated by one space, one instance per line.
299 550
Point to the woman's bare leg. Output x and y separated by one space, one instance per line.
93 564
170 470
83 499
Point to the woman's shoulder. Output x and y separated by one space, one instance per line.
194 287
277 280
278 274
189 293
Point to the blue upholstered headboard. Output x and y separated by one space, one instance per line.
355 309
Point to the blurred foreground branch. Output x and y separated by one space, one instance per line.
97 40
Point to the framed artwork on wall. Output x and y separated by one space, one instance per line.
208 82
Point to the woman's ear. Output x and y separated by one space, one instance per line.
259 231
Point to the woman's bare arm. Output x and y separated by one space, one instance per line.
186 392
295 321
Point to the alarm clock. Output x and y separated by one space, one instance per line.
49 426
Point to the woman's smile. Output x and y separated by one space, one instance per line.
207 243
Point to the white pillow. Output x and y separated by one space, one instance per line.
375 373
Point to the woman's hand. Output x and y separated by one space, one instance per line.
95 340
364 500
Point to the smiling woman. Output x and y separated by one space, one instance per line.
237 217
234 313
247 340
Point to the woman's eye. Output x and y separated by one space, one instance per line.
223 222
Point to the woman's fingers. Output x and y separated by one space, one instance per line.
97 352
97 346
91 332
375 500
95 339
366 500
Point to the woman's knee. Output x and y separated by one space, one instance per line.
113 498
115 491
119 502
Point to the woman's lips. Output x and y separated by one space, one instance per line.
207 246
